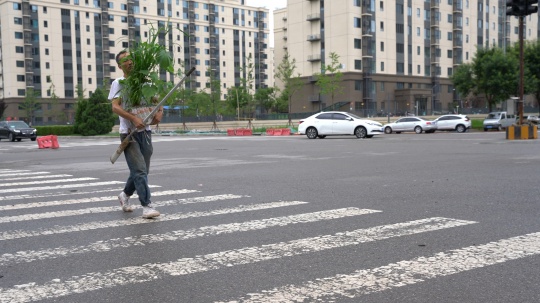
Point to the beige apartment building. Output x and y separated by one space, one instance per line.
51 46
396 56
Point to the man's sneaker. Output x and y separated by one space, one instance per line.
149 212
124 202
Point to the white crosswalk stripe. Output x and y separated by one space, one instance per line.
23 223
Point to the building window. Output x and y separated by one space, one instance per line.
17 6
382 66
357 22
382 26
18 35
449 54
382 46
358 64
21 92
357 43
20 78
19 49
20 63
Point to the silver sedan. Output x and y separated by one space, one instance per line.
410 124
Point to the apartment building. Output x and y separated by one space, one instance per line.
396 56
51 46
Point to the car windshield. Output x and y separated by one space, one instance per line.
17 124
492 116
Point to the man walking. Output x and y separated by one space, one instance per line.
139 151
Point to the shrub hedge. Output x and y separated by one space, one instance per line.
59 130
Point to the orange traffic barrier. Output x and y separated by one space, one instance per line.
44 142
231 132
54 142
277 132
270 132
286 132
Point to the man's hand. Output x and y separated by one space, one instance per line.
157 117
137 122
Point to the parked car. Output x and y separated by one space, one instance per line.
459 123
410 124
16 130
325 124
498 121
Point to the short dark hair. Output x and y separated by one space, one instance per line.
119 54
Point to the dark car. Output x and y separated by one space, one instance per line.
16 130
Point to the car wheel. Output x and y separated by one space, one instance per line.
388 130
485 129
19 140
360 132
460 128
321 136
311 133
418 130
33 139
11 137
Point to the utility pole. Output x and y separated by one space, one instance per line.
521 8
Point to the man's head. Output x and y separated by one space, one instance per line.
124 62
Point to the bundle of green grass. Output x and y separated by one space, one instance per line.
143 85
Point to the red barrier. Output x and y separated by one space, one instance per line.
44 142
54 142
48 142
286 132
231 132
248 132
270 132
277 132
239 132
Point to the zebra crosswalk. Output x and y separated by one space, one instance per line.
22 205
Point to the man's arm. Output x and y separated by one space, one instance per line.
117 109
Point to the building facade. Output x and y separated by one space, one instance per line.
52 46
396 56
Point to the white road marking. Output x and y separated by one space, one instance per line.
48 181
94 210
88 200
34 177
20 189
202 263
10 174
63 193
205 231
18 234
403 273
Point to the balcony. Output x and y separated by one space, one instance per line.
313 38
314 58
313 17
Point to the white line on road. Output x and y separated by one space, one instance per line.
35 177
18 234
88 200
205 231
94 210
403 273
225 259
47 181
63 193
11 174
21 189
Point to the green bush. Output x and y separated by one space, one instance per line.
59 130
94 116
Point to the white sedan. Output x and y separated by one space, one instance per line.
338 123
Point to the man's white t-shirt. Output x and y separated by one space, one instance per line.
115 92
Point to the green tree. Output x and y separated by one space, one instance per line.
491 73
329 79
265 98
31 104
246 82
57 114
531 54
97 117
80 108
291 83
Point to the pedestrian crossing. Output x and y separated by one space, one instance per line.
25 217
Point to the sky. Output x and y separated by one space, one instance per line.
271 5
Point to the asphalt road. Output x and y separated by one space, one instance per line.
441 217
